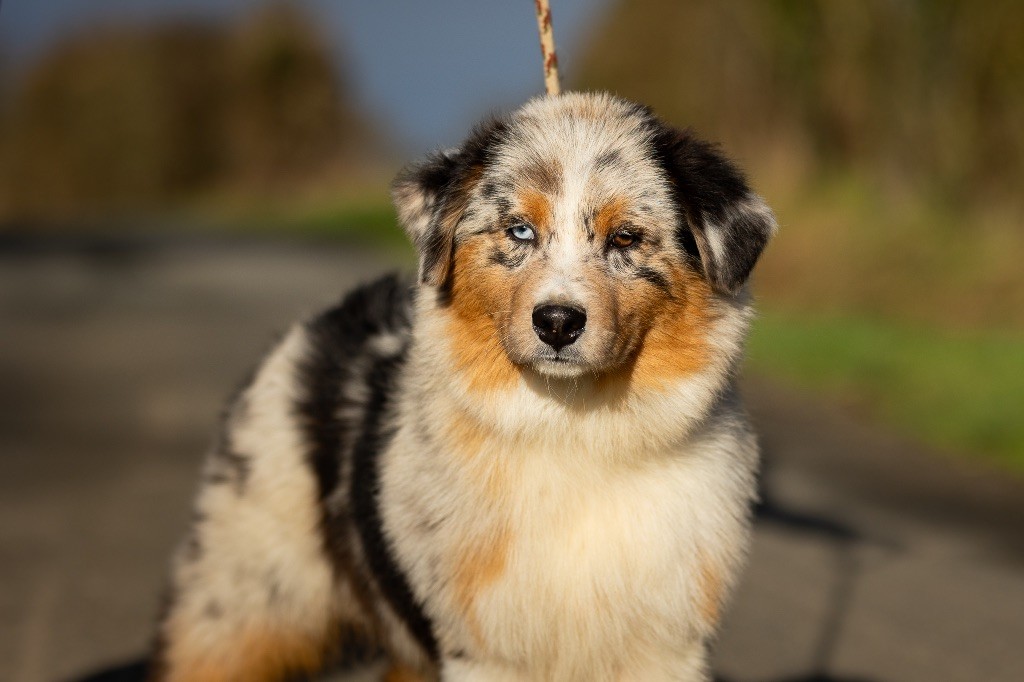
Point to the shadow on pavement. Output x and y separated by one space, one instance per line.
844 538
134 671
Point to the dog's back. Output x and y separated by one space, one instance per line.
267 582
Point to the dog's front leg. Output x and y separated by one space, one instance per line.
689 666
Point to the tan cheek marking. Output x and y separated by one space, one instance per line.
676 345
255 654
478 352
476 567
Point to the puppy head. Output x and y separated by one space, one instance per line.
582 235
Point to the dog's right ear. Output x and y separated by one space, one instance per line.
417 193
432 195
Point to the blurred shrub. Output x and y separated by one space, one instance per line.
128 118
926 92
285 112
114 119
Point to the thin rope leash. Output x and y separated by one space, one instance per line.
547 47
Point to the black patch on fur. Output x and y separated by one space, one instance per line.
444 178
505 259
437 248
157 666
217 478
639 110
193 548
230 466
227 465
686 240
366 508
653 276
504 207
710 189
607 159
353 650
588 226
338 340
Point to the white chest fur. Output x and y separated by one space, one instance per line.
564 560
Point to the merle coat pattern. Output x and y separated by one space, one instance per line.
529 464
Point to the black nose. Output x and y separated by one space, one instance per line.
558 325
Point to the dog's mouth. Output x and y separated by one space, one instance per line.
584 356
566 362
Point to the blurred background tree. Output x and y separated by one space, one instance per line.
129 119
287 112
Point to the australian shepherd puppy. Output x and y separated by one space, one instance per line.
531 464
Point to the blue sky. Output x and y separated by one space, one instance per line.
426 68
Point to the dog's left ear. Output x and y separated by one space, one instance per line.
726 223
432 195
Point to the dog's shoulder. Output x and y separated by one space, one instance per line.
369 320
351 354
312 389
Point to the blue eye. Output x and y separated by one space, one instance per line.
522 232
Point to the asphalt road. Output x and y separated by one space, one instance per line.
874 560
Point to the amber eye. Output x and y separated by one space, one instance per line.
622 239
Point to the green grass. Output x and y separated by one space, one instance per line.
370 223
958 391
